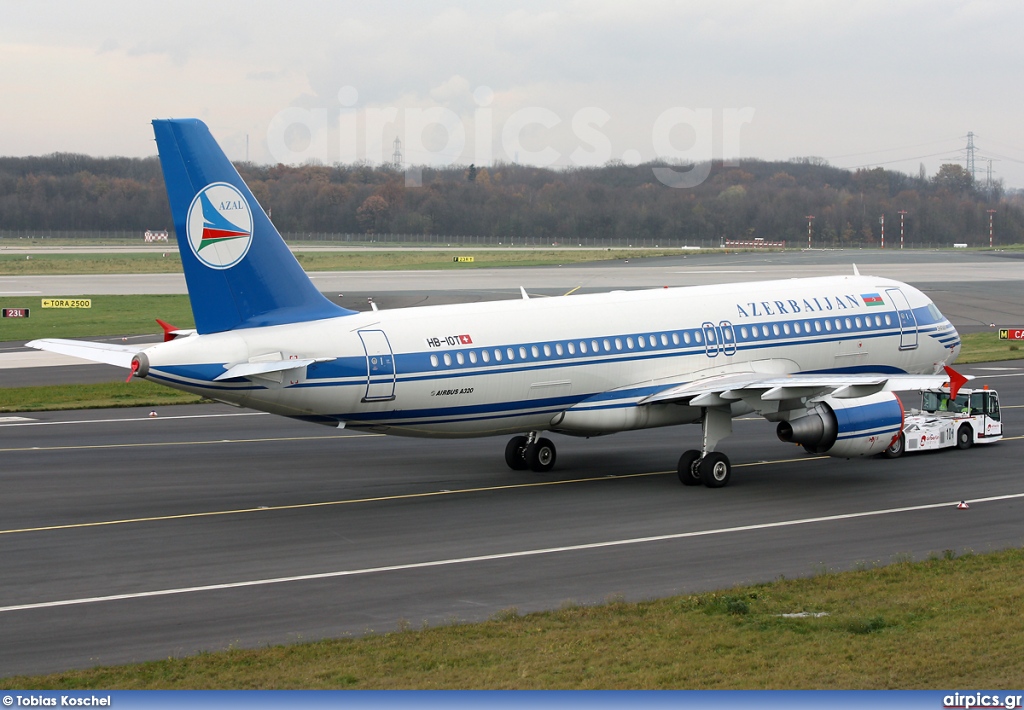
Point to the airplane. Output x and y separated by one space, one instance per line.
821 357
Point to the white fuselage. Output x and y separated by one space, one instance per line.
578 364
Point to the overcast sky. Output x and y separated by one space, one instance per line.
859 83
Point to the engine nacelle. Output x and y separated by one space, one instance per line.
847 427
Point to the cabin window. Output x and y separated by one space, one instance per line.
583 346
858 321
618 343
547 351
817 326
629 343
686 337
764 330
878 321
485 355
607 345
744 333
664 340
511 354
472 356
828 326
675 338
522 353
697 337
775 328
447 359
460 358
571 347
888 320
642 341
433 360
849 324
535 351
497 354
786 328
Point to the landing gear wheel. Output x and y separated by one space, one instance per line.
540 456
964 436
689 474
515 453
715 470
896 448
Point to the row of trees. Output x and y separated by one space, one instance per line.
614 202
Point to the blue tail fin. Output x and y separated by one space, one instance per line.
240 273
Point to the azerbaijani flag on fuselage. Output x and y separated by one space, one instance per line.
216 227
872 299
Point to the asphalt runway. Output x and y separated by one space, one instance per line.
125 537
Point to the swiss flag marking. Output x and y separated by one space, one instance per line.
465 340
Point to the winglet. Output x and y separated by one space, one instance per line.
956 381
168 329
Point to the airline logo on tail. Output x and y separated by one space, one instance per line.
219 225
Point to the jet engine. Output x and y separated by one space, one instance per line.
847 427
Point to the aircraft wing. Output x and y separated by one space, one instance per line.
725 389
109 353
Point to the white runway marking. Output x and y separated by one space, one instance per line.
490 558
136 419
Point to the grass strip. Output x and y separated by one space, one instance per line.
169 261
109 315
946 622
137 393
987 347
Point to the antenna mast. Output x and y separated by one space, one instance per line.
396 157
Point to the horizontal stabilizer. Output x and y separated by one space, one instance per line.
109 353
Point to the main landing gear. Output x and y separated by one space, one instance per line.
530 452
708 466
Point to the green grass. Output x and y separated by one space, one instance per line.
987 347
905 625
47 264
350 260
109 315
137 393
